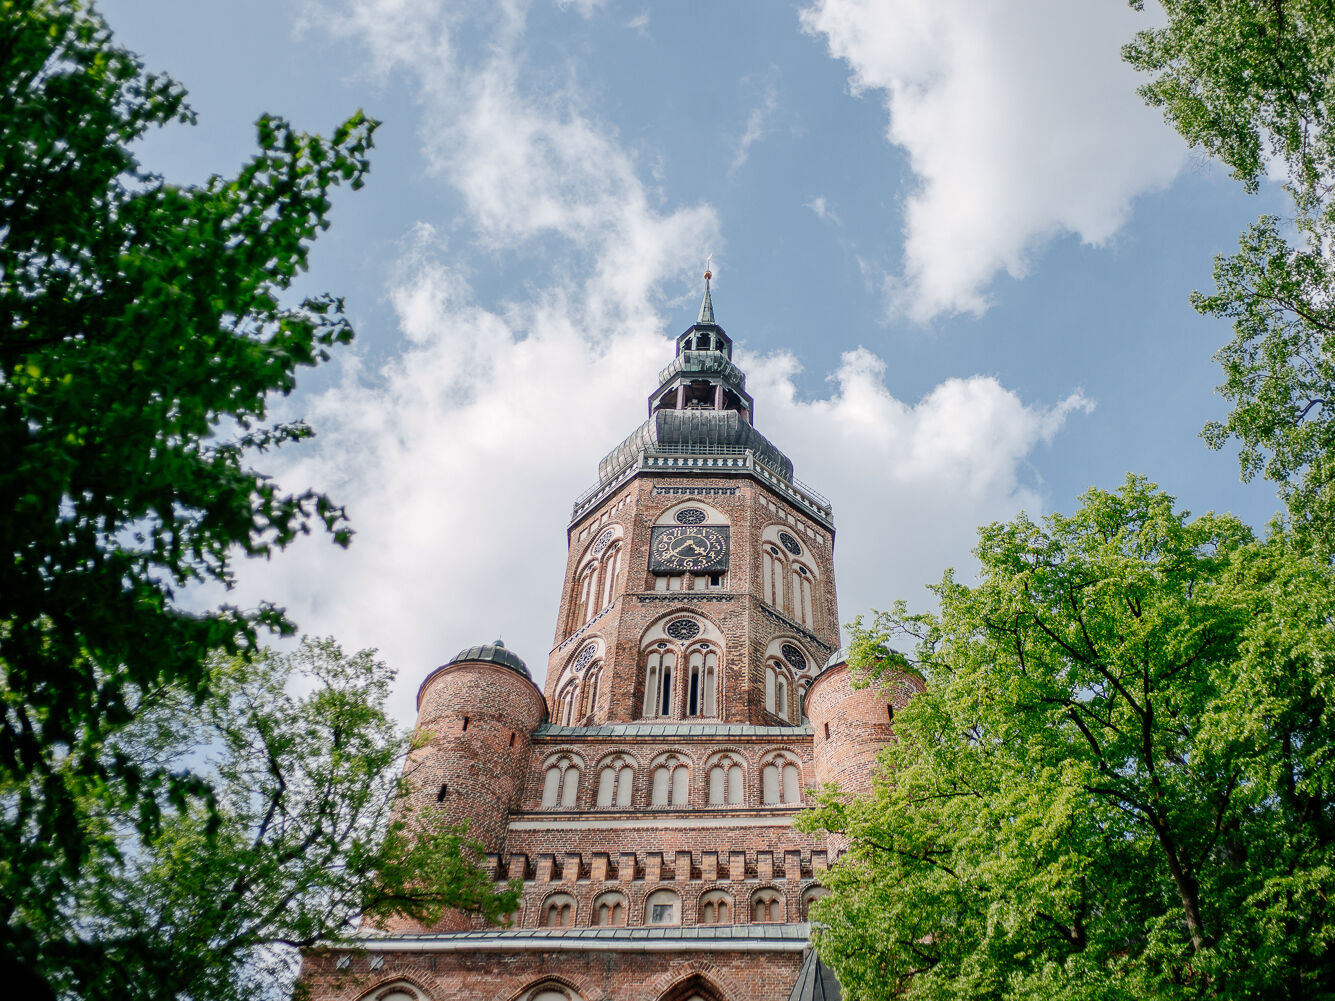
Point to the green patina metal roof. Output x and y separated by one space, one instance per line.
706 307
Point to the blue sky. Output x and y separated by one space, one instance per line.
954 248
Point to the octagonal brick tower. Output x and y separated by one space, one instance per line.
645 799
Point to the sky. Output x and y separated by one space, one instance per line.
952 245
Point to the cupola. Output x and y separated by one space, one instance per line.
702 376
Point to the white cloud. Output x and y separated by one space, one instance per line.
640 24
820 205
458 458
1020 122
757 124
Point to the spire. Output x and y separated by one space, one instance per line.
706 304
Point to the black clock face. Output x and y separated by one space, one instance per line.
698 548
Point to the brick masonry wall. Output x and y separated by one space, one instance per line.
850 725
747 623
480 717
592 976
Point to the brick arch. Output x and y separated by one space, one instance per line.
696 974
582 986
713 516
551 757
618 534
392 981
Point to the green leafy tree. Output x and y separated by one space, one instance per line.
143 328
1120 781
1253 84
313 834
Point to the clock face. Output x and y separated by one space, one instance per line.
698 548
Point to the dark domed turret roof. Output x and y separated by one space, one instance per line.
840 656
496 653
694 432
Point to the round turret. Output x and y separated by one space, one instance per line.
477 713
850 725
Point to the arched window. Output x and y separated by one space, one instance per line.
558 911
701 679
715 908
766 907
726 781
570 704
773 571
614 782
611 569
585 597
671 782
609 909
560 785
809 897
802 588
662 908
781 781
778 685
591 682
550 992
394 992
659 662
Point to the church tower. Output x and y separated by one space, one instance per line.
694 694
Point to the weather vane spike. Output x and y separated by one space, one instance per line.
709 268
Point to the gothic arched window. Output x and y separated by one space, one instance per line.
614 782
558 911
715 908
766 907
609 909
671 782
726 781
560 785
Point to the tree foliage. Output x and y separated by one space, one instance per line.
1120 781
313 834
1252 83
143 328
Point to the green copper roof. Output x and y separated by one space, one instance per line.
706 307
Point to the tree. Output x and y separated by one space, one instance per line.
143 328
1120 781
313 834
1253 84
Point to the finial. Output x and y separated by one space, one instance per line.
707 303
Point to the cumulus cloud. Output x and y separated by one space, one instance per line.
458 457
1019 121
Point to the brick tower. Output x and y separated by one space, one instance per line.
694 693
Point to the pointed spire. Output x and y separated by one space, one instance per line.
706 304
